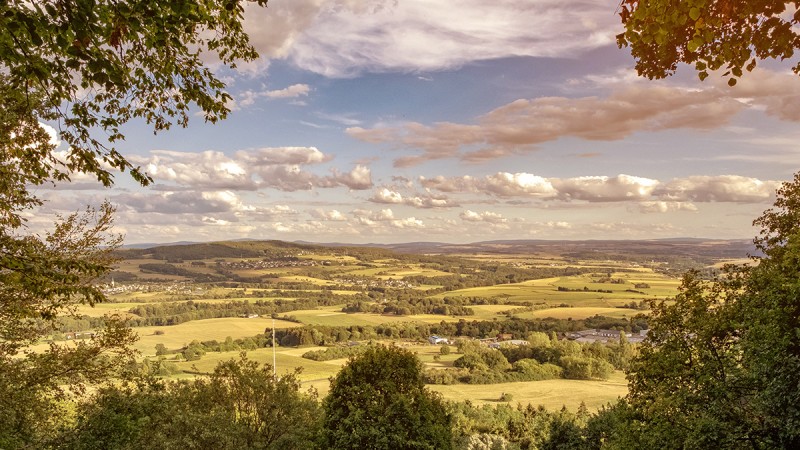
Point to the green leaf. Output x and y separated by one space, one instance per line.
694 44
732 82
694 13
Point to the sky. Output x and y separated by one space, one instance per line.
387 121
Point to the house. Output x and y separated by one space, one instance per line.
599 335
508 343
505 336
438 340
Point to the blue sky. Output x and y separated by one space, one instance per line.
411 120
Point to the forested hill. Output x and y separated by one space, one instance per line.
699 250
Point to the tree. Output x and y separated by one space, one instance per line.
87 67
729 35
41 281
378 400
720 365
92 65
240 406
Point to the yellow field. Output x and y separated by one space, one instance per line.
287 361
177 336
578 313
553 394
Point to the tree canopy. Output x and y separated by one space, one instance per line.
378 400
720 366
726 35
86 68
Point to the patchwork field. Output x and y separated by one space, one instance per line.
563 281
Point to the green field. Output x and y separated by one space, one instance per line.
546 290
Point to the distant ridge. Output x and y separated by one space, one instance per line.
695 248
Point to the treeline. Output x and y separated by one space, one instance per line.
584 289
174 313
446 307
332 353
518 328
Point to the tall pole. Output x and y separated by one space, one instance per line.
274 359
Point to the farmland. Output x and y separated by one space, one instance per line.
222 299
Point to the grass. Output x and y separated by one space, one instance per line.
553 394
579 313
287 361
177 336
333 316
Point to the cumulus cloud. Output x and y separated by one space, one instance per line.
664 206
209 169
359 178
652 195
385 218
486 216
281 168
722 188
388 195
181 202
332 215
605 189
282 155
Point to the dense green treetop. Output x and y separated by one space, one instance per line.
727 35
720 365
378 400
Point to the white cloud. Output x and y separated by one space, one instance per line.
182 202
208 169
293 91
281 168
270 156
345 38
359 178
389 195
486 216
664 207
332 215
247 98
605 189
722 188
651 195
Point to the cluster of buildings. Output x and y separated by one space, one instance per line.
605 336
583 336
372 282
271 264
171 288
